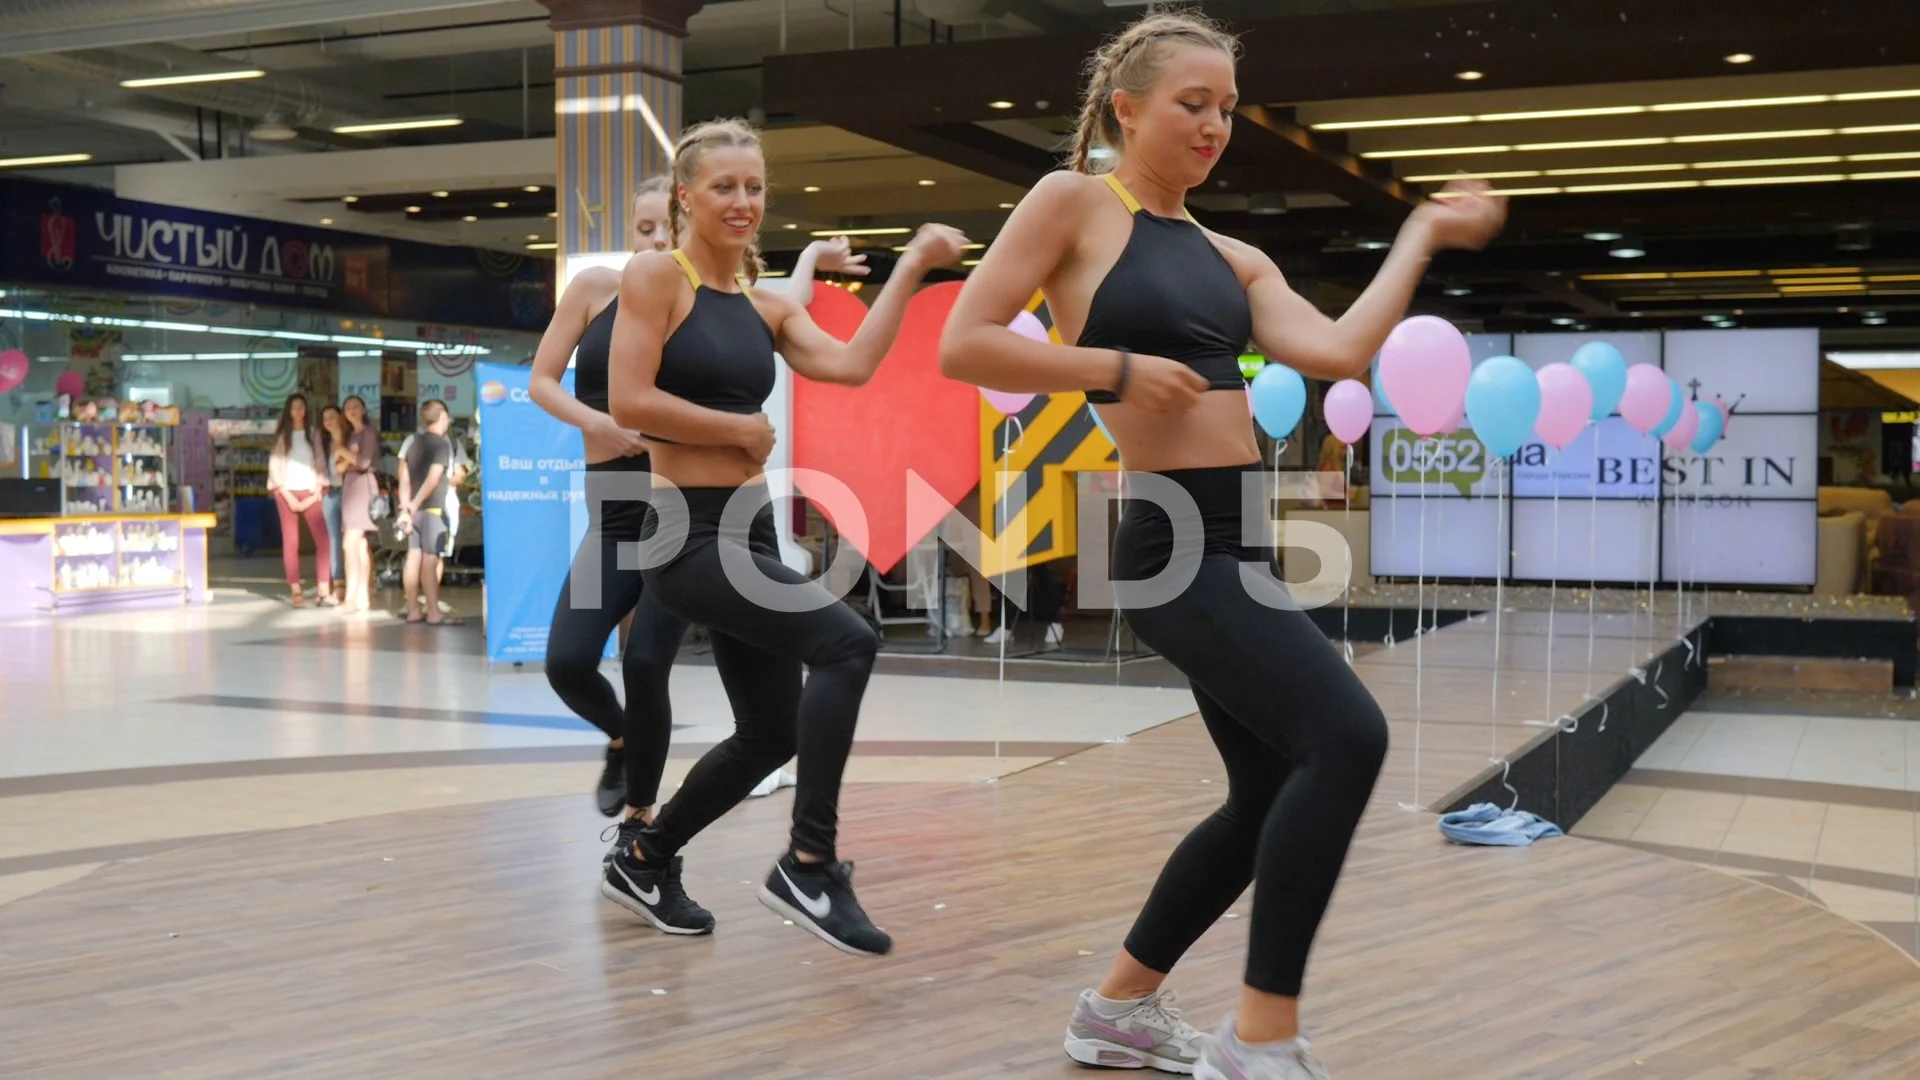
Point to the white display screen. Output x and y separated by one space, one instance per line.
1745 511
1462 537
1539 350
1759 457
1715 542
1626 467
1755 371
1441 465
1597 540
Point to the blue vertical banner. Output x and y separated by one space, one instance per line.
529 471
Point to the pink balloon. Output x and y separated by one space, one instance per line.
1683 432
1566 404
70 383
13 369
1011 404
1424 368
1028 325
1459 417
1349 409
1645 402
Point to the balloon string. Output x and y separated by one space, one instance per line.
1419 639
1346 593
1553 583
1007 439
1499 586
1593 551
1393 511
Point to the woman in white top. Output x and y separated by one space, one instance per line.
297 478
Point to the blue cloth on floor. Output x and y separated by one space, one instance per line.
1485 823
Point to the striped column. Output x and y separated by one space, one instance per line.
617 94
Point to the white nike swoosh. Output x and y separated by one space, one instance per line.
818 907
649 898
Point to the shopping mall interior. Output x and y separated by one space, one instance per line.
274 803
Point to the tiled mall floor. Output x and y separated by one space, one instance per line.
122 735
1824 807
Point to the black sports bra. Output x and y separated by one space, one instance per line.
1171 294
721 354
590 359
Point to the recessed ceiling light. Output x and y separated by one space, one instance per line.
1373 245
1469 76
500 206
441 194
927 183
1603 237
811 189
533 236
531 189
1626 251
553 214
1006 206
326 221
469 218
548 246
1874 320
1456 290
351 198
999 104
413 209
1564 320
790 225
1739 58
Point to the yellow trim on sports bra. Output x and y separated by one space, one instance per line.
686 264
1126 197
693 276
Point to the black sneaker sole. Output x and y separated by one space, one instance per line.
607 890
805 922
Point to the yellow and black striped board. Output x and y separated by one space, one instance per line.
1054 438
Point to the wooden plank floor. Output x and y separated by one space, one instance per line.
473 944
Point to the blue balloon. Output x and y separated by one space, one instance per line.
1279 399
1711 423
1380 391
1099 423
1678 402
1606 372
1503 402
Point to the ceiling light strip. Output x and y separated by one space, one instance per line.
242 331
1617 110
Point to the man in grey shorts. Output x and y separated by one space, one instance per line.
422 514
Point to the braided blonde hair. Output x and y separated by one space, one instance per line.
652 185
697 140
1130 61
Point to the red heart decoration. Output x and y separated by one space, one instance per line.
909 417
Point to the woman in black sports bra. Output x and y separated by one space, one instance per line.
692 363
1158 310
617 482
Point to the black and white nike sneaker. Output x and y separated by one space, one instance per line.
624 832
611 792
654 894
819 897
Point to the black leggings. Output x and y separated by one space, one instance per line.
1301 737
759 652
578 636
